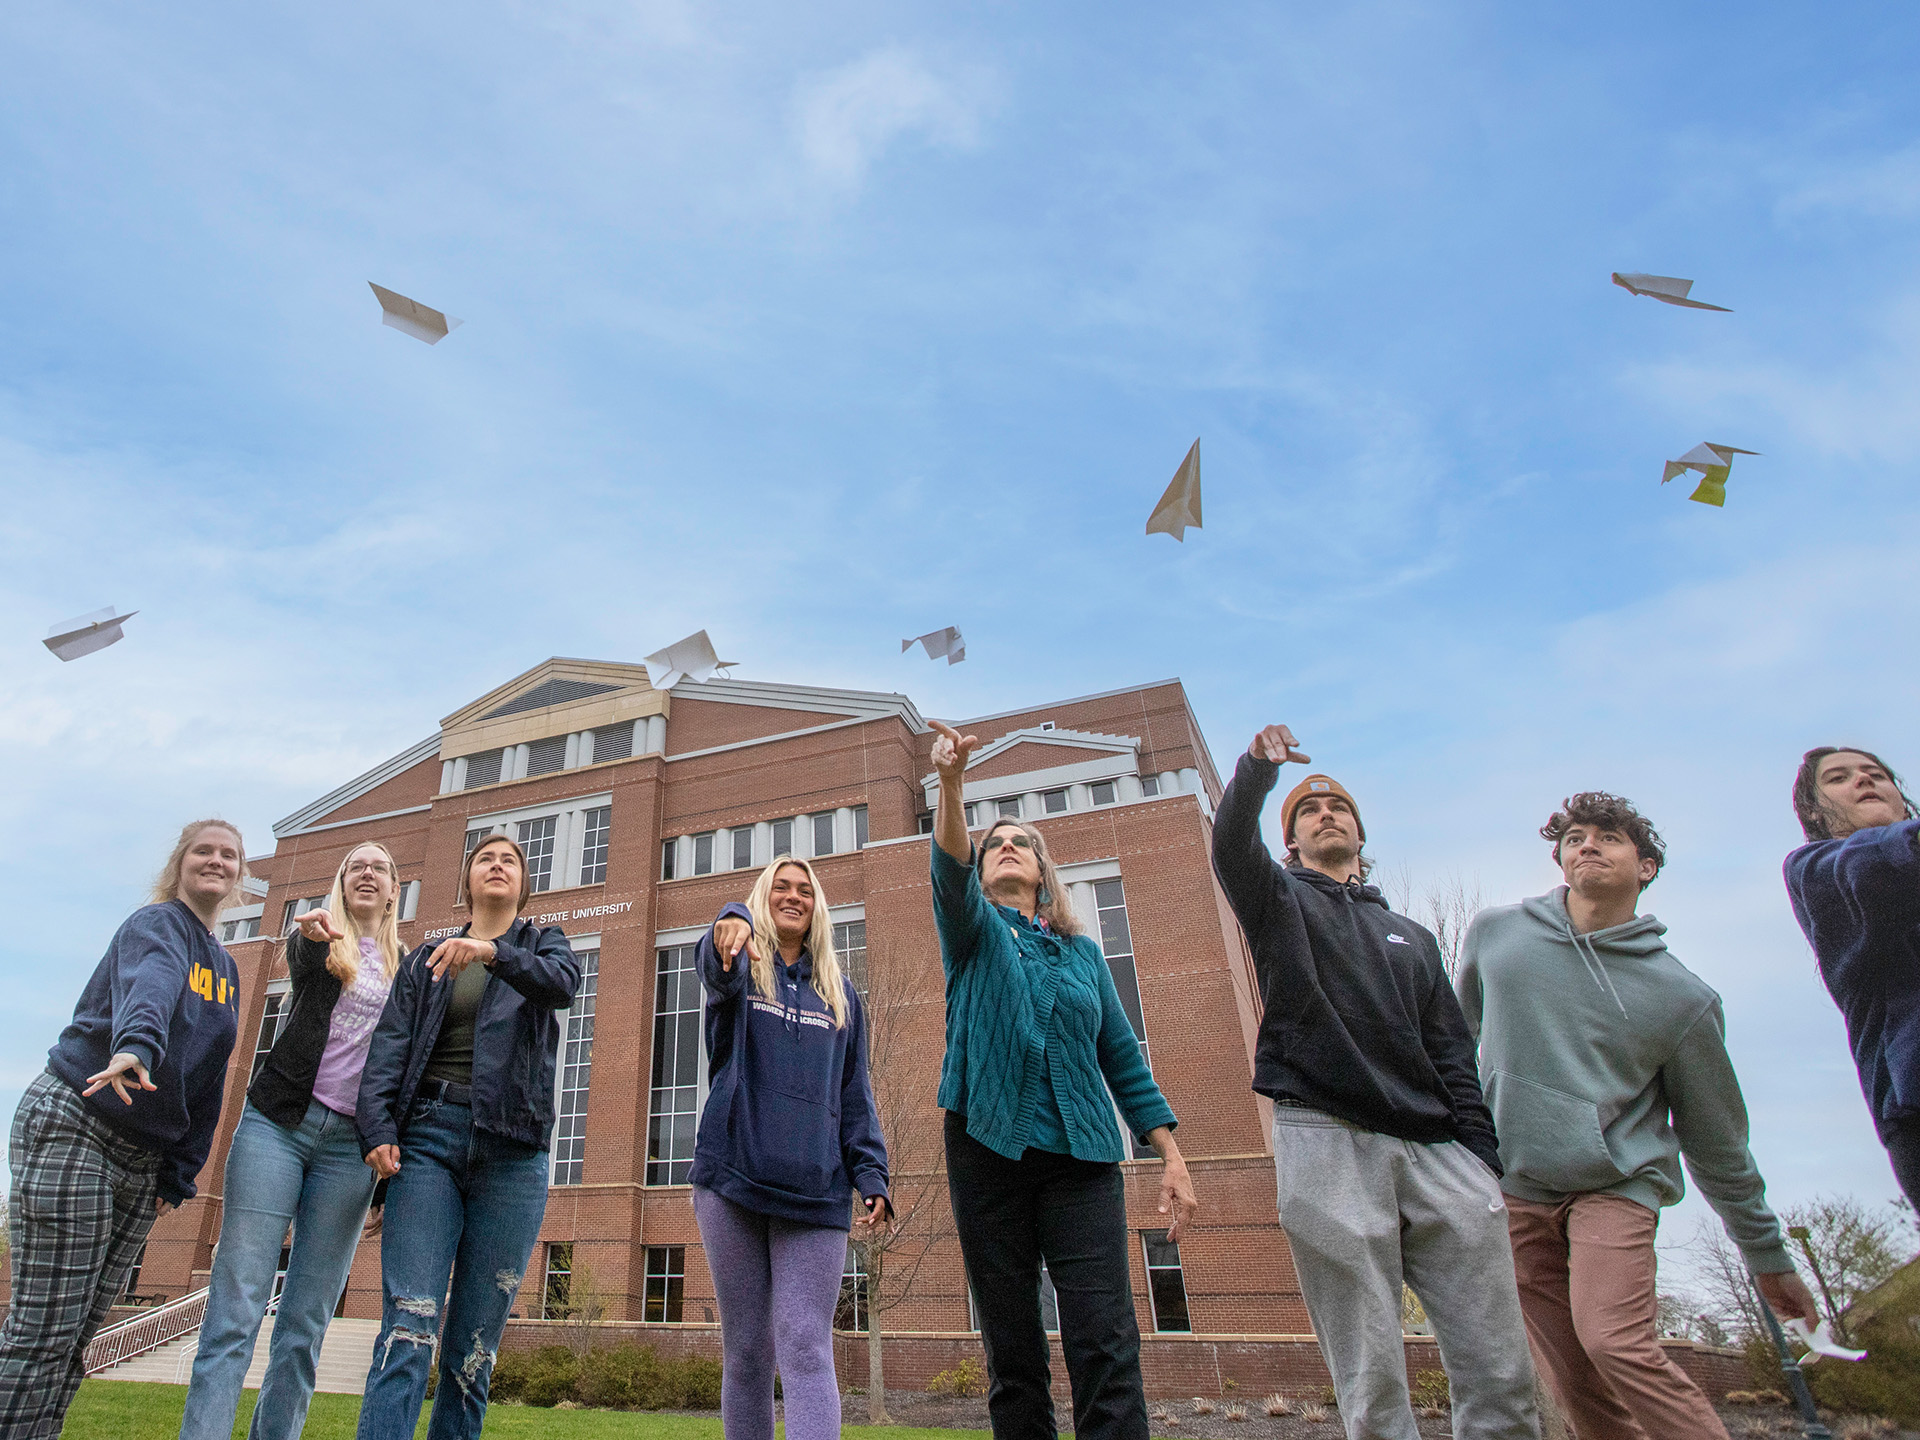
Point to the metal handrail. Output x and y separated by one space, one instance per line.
146 1332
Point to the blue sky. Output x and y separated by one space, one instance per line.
821 326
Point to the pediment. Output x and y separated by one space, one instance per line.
555 697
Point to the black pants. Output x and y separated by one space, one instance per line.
1903 1148
1012 1214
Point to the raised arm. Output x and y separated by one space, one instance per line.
726 952
1240 857
950 754
960 910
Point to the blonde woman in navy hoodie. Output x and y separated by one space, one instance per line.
788 1135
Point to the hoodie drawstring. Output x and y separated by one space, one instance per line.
1596 970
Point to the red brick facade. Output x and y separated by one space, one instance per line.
1138 787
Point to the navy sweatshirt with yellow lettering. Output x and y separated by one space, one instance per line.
167 992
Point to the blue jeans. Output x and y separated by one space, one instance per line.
466 1207
315 1179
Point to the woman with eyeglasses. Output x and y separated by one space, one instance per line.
296 1161
1036 1040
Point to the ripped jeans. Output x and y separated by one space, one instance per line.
461 1219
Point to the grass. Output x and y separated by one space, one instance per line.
135 1410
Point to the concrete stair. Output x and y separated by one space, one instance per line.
345 1355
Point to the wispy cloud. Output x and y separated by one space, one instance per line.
846 118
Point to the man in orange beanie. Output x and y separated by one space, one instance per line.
1382 1143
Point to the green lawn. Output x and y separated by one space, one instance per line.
133 1410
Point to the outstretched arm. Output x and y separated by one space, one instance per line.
950 754
1240 857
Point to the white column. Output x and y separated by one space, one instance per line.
446 776
656 734
1032 807
1127 787
571 759
460 773
1079 797
1170 782
586 747
843 830
763 842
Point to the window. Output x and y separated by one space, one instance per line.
923 823
536 838
546 755
669 851
1007 809
850 944
673 1110
474 837
556 1296
132 1287
1149 784
594 838
273 1019
576 1064
972 812
1116 943
1103 792
245 928
296 908
703 854
742 848
409 899
783 837
1054 802
851 1311
859 827
1165 1283
483 769
666 1282
823 833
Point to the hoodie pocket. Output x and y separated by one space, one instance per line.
1548 1136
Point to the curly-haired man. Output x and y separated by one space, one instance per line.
1604 1060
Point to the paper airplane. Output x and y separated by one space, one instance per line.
84 634
1819 1341
1668 289
1714 462
692 658
947 642
1179 507
420 321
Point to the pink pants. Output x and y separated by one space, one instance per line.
1586 1272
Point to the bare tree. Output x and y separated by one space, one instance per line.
905 1028
581 1306
1446 906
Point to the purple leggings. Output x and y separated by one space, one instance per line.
777 1282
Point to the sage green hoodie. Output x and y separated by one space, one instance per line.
1604 1061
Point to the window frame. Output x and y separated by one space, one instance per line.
1178 1270
673 1299
558 1307
656 1172
735 836
708 837
576 1026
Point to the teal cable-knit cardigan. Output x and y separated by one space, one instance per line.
1023 1003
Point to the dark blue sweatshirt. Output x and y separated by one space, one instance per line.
790 1127
167 992
1858 900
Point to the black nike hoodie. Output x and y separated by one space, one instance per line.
1359 1019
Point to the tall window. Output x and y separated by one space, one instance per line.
673 1110
556 1295
743 847
859 827
823 833
595 835
472 843
296 908
576 1064
1116 942
273 1020
703 854
783 837
669 852
409 899
536 838
850 944
1165 1282
666 1282
851 1311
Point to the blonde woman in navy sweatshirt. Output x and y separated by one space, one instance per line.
788 1135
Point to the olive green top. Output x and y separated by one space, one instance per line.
452 1059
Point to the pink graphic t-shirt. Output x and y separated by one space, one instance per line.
337 1085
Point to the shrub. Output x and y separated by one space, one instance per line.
1431 1391
966 1378
1887 1382
1202 1405
620 1377
1278 1404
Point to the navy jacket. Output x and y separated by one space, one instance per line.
283 1089
790 1127
1858 900
167 992
1360 1020
515 1037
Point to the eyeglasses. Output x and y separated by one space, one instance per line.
994 842
361 867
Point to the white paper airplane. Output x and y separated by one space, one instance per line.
1668 289
947 642
84 634
1819 1341
422 322
1179 506
692 658
1714 462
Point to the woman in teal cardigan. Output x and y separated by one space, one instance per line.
1036 1039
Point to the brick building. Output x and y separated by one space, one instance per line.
644 811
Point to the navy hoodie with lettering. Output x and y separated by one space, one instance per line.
167 992
790 1127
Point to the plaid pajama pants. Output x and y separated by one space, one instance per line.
81 1208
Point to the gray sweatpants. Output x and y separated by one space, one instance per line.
1364 1213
